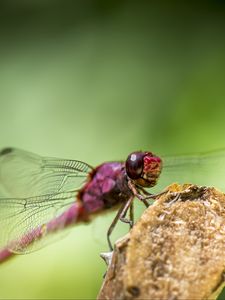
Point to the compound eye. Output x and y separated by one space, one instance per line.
134 165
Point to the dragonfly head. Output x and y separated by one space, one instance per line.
143 168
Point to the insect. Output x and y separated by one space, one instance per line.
43 196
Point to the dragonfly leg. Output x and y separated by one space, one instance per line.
131 213
129 205
141 197
144 191
116 219
154 196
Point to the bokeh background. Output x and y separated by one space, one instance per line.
95 80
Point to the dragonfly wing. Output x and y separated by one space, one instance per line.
31 223
24 174
202 168
40 198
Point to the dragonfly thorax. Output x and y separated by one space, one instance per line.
107 187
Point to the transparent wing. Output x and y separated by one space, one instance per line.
24 174
40 198
202 168
30 223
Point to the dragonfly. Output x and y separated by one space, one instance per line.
43 196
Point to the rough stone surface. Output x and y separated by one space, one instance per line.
175 251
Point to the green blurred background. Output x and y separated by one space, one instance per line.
95 80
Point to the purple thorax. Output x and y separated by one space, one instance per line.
106 188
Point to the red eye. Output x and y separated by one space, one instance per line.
135 165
